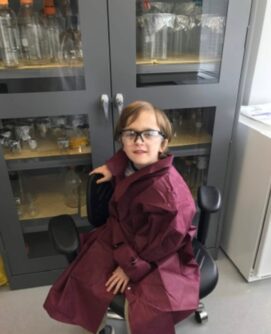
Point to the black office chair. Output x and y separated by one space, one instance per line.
65 236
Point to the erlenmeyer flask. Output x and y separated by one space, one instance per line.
70 39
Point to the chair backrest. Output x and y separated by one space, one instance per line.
98 196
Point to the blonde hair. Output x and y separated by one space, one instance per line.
132 111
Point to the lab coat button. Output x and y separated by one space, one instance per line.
115 246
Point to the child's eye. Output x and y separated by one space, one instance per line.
130 134
148 134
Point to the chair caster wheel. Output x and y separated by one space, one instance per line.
201 316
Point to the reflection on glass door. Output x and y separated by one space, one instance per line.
48 160
40 46
191 143
179 41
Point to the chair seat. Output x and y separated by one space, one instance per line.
208 269
208 277
117 305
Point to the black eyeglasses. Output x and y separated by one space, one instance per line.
145 135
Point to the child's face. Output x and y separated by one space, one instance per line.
143 153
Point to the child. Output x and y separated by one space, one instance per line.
145 248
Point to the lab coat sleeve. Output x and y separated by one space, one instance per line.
164 233
117 163
127 258
167 231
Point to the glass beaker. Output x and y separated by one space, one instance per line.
180 32
155 34
77 138
72 188
31 205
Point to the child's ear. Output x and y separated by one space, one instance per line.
120 141
163 146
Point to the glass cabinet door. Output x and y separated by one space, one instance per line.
54 128
179 42
48 160
191 143
176 52
41 47
183 56
54 60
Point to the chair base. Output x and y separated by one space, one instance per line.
112 315
201 315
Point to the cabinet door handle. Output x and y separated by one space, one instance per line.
105 105
119 101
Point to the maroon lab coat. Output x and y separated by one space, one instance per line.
149 235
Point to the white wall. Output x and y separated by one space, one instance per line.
260 86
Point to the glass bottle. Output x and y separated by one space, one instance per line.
202 163
31 205
180 32
72 188
188 172
199 119
33 37
10 49
51 26
71 43
63 9
18 192
175 123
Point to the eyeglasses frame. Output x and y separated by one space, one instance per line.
139 133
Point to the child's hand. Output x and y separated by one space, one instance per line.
104 170
118 281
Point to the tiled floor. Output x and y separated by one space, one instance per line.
235 307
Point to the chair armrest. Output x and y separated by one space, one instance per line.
98 197
64 235
209 201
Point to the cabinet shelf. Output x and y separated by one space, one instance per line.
188 137
47 155
41 225
38 71
186 151
46 148
188 142
188 63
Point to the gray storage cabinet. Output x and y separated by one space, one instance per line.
196 84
